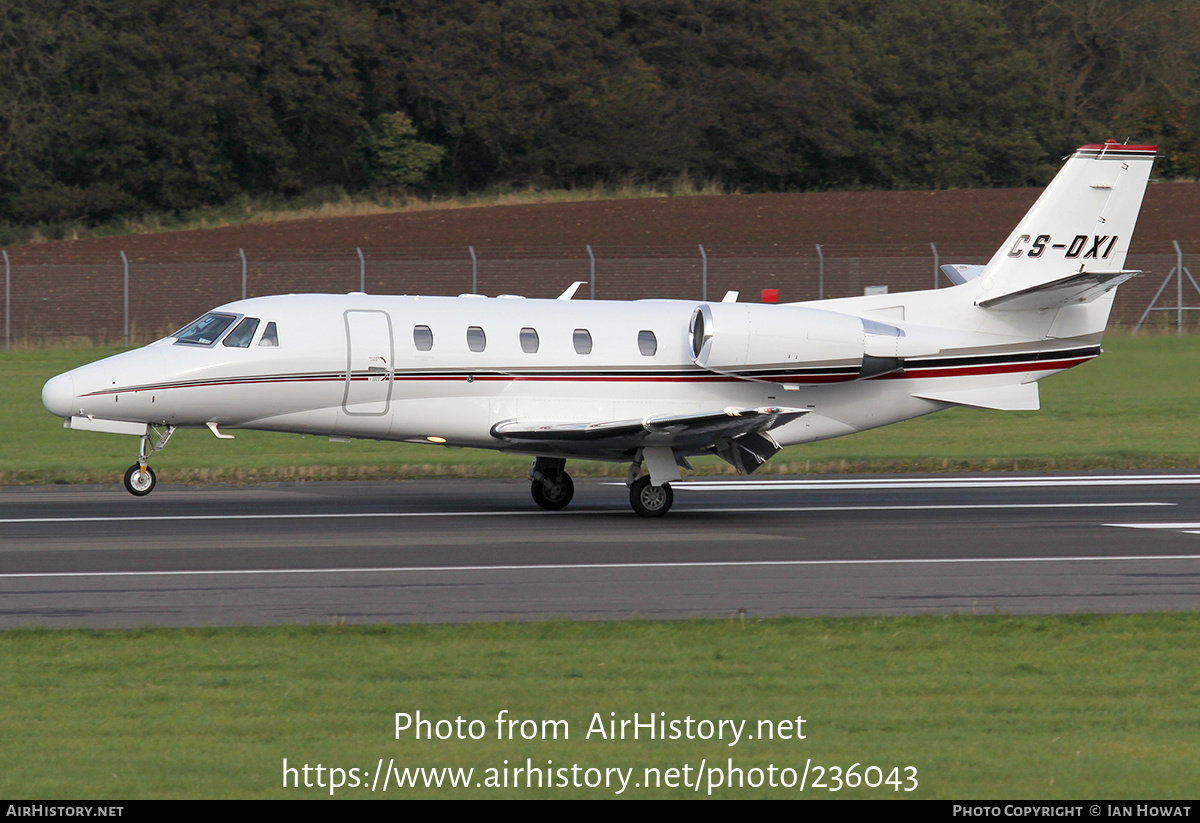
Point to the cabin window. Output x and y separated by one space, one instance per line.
647 343
583 341
476 339
423 338
206 330
270 338
529 340
242 334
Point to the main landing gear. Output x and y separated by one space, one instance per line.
649 500
552 488
140 479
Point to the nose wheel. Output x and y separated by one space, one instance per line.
140 480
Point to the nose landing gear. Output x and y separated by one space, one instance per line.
140 479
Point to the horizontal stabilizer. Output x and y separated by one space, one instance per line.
678 429
1081 287
1019 397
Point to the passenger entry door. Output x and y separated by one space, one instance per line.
369 350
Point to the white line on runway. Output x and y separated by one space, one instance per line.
1006 482
652 565
141 518
1186 528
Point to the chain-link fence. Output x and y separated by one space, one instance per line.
54 297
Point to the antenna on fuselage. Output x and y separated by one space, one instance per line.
570 292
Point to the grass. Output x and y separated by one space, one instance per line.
981 707
1134 407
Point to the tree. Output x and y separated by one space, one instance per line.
394 157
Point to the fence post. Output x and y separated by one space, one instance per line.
7 304
936 269
125 264
242 254
592 276
704 275
474 271
820 273
1178 288
362 270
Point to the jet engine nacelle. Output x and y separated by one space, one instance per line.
793 343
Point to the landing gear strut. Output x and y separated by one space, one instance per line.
140 478
551 487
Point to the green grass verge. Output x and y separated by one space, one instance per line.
981 707
1134 407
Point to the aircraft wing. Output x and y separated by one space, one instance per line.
672 430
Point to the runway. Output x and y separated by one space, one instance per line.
476 550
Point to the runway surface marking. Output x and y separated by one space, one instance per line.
583 566
575 513
1186 528
939 483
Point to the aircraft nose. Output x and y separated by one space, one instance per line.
58 395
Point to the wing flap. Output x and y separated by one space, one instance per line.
660 430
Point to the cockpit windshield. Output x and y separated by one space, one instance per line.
205 331
242 334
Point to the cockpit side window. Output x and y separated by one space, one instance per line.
242 334
205 331
270 338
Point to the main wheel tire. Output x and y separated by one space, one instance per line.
140 483
554 496
648 500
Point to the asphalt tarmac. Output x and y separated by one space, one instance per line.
479 550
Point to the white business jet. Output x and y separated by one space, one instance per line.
648 382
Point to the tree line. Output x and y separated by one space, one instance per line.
116 108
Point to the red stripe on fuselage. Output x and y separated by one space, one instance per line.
800 379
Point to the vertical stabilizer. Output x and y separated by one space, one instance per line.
1075 238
